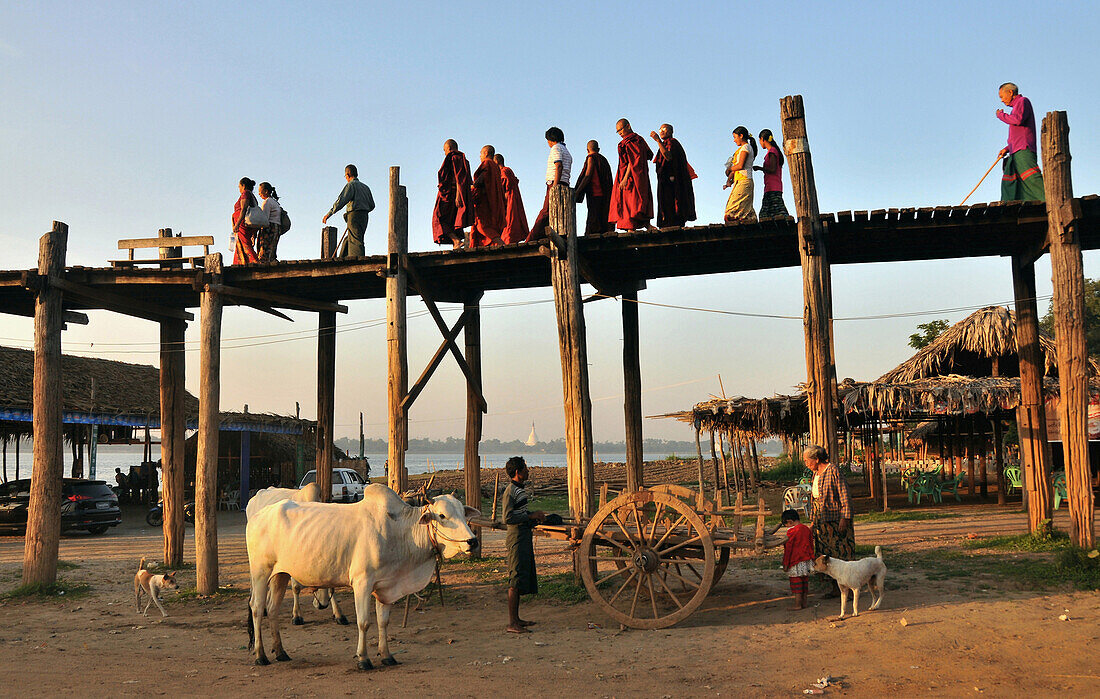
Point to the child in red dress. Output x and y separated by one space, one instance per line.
798 555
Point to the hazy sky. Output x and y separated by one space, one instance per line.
120 119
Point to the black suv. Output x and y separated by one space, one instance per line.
85 504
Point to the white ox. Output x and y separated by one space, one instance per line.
322 597
378 546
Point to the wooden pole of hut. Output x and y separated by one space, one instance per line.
970 456
960 447
44 509
472 457
983 482
875 448
572 344
816 291
714 463
173 423
1031 418
206 460
396 336
1067 271
632 393
699 460
326 382
725 467
999 460
885 489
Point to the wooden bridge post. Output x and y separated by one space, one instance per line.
816 287
206 460
632 401
326 381
472 459
1067 269
44 510
1031 417
173 422
396 339
574 354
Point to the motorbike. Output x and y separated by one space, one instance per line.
155 518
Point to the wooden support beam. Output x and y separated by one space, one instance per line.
206 460
632 391
1067 270
572 344
326 381
44 509
1031 417
433 364
116 302
471 313
173 422
293 303
396 337
816 286
433 309
259 307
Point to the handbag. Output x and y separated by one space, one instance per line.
255 217
284 221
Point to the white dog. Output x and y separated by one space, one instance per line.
852 575
150 584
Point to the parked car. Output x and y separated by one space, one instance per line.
347 485
85 504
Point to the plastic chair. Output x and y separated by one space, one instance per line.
230 501
951 486
1014 479
909 477
796 498
1060 492
924 485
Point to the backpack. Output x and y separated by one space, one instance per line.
285 221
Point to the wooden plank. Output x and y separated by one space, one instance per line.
159 242
1067 272
471 311
396 335
860 217
877 216
632 391
44 508
281 300
117 303
206 460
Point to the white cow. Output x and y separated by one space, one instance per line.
322 597
379 546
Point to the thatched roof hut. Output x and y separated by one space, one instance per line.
970 348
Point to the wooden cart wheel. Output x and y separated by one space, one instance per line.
692 499
650 559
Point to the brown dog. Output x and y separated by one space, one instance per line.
150 584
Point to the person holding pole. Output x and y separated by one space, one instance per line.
1021 180
357 197
522 579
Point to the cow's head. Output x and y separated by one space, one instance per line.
446 518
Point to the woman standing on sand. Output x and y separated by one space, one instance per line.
739 178
243 250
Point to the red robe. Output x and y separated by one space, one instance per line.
454 204
515 222
632 203
243 251
799 545
489 205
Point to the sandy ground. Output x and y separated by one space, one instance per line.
962 636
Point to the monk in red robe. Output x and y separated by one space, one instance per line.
489 205
675 194
515 218
595 183
454 204
631 197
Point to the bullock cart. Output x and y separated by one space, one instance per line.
649 558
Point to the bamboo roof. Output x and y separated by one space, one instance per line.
969 347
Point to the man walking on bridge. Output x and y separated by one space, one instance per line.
1022 180
357 197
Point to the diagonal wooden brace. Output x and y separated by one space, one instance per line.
448 339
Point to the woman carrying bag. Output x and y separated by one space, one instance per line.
244 213
268 238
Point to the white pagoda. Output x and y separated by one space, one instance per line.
532 439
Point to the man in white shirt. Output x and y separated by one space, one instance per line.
558 166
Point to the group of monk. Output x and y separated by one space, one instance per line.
485 208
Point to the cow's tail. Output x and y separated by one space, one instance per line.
251 631
141 566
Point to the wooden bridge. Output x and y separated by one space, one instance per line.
614 264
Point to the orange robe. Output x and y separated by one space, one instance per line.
515 221
489 205
632 197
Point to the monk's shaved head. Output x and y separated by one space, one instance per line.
488 151
667 127
623 125
450 145
593 147
499 158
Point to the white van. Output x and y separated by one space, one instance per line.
347 485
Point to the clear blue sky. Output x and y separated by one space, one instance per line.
120 119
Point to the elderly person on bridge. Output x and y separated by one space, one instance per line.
1021 180
832 511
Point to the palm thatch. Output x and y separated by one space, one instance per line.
940 395
969 348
